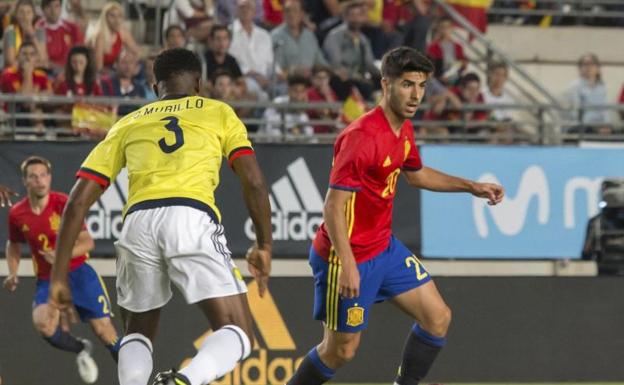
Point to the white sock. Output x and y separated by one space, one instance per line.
135 360
218 355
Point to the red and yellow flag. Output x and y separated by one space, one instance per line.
475 11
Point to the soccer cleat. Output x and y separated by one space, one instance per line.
171 377
87 368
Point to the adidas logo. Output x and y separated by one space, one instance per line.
296 205
104 220
274 358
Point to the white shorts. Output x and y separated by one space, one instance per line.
173 243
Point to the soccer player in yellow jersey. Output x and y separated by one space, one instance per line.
173 149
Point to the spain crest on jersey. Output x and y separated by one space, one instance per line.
55 222
355 315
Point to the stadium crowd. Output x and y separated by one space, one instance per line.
283 51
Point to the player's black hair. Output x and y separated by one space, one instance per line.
219 27
34 159
404 59
295 79
469 77
174 62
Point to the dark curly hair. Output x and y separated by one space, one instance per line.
174 62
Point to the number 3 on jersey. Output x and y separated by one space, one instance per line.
421 273
179 135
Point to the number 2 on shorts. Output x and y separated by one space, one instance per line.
420 272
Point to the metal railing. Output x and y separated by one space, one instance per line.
581 10
531 126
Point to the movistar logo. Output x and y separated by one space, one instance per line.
510 216
296 205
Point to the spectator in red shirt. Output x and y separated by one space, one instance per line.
468 91
25 79
24 29
61 34
447 55
110 36
79 78
321 91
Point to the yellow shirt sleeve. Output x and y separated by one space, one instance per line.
106 159
234 141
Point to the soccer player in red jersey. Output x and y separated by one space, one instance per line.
355 258
35 220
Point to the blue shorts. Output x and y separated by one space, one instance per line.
392 272
88 293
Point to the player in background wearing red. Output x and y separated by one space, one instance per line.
355 258
35 220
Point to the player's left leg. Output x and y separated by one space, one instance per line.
104 329
93 305
428 335
408 285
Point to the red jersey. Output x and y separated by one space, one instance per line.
11 80
368 158
62 88
60 38
39 231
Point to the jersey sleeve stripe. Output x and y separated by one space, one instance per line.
95 176
238 152
345 188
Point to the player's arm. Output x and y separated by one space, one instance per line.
13 253
84 193
5 196
256 197
431 179
336 223
84 244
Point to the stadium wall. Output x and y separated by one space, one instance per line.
503 330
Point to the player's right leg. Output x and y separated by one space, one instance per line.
143 288
344 319
59 338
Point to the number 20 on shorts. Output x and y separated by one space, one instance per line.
420 271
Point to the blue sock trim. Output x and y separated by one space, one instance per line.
316 360
428 338
114 348
57 335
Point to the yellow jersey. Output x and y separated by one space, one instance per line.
172 149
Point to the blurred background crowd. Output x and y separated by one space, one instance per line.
259 54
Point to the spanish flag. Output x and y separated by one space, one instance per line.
475 11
